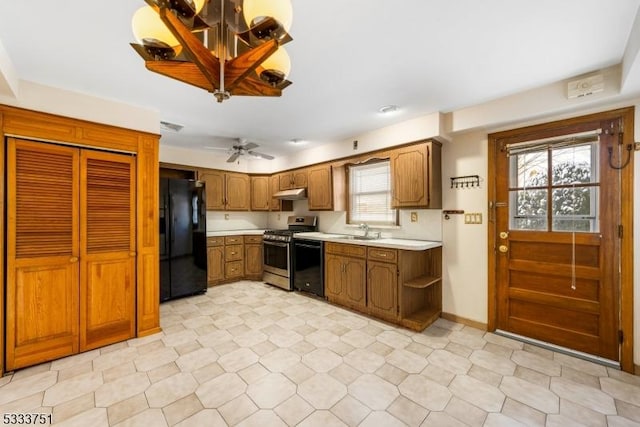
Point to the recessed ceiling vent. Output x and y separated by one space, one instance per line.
170 126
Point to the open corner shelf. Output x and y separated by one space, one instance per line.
419 320
422 282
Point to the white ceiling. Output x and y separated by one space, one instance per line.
349 58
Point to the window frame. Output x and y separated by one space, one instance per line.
396 211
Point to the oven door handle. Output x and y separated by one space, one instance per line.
282 245
304 245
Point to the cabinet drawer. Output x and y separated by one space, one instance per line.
382 254
215 241
233 252
233 269
346 249
232 240
253 239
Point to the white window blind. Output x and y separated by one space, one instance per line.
370 194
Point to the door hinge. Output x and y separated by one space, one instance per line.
620 228
620 336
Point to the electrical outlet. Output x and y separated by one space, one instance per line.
414 216
355 145
226 216
278 218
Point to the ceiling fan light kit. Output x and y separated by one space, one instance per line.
227 47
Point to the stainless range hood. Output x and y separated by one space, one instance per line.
295 194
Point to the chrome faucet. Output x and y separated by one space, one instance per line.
364 227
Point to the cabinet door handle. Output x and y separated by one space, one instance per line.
73 259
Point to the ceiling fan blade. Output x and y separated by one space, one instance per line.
250 146
260 155
233 157
216 148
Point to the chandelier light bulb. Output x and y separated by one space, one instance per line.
278 62
257 10
198 5
149 29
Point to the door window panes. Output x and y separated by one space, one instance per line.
555 189
530 209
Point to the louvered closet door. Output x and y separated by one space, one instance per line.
107 249
42 252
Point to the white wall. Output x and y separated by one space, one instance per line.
464 290
425 127
200 158
223 221
33 96
428 226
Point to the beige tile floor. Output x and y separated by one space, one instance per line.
248 354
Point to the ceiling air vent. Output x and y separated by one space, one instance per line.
170 126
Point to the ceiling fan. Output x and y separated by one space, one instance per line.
240 148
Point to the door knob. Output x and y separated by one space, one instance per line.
504 234
73 259
503 248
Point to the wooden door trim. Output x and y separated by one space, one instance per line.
626 242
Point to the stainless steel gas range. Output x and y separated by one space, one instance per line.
278 250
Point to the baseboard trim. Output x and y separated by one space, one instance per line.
464 321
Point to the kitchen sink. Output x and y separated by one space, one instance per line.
350 237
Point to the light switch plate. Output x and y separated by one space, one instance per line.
473 218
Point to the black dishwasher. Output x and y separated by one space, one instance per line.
308 266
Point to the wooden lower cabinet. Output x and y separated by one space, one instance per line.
215 264
233 270
382 290
345 277
253 257
232 258
399 286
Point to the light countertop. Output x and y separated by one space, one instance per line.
406 244
247 232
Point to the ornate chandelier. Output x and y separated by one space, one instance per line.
227 47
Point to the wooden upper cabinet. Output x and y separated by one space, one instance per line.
300 178
214 189
276 205
320 188
260 194
274 187
293 179
285 180
326 186
237 190
226 190
416 176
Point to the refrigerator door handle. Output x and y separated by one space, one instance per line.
173 220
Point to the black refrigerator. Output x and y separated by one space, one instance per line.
183 238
